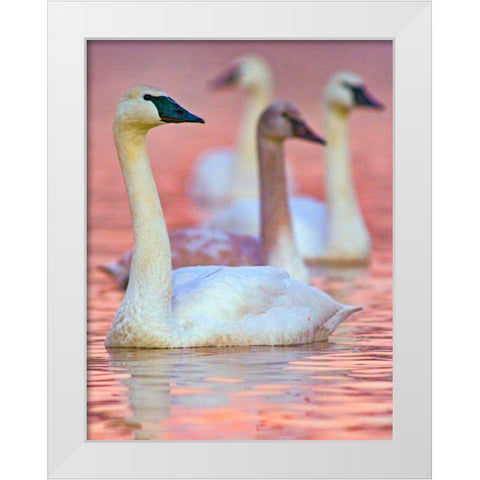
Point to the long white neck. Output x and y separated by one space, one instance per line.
246 169
278 243
149 285
348 236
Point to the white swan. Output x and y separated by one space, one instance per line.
196 246
334 232
198 306
223 175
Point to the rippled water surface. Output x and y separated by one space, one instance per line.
340 389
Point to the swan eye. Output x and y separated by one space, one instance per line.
293 120
147 96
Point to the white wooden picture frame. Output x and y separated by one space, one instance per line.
408 24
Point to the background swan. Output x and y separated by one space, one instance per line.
198 306
223 175
324 232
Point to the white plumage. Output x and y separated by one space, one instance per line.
250 305
227 306
213 178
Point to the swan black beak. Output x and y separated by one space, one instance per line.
171 112
225 79
364 99
302 130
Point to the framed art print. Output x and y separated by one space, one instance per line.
295 137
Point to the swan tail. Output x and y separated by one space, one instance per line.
344 312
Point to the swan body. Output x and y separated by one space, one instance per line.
331 232
223 175
192 247
213 178
206 305
309 222
234 306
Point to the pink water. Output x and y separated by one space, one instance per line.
341 389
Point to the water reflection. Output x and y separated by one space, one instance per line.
248 392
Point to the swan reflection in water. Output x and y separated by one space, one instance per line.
190 387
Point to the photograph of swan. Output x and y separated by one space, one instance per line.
273 321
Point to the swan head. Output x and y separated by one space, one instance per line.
146 107
248 72
346 90
282 120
